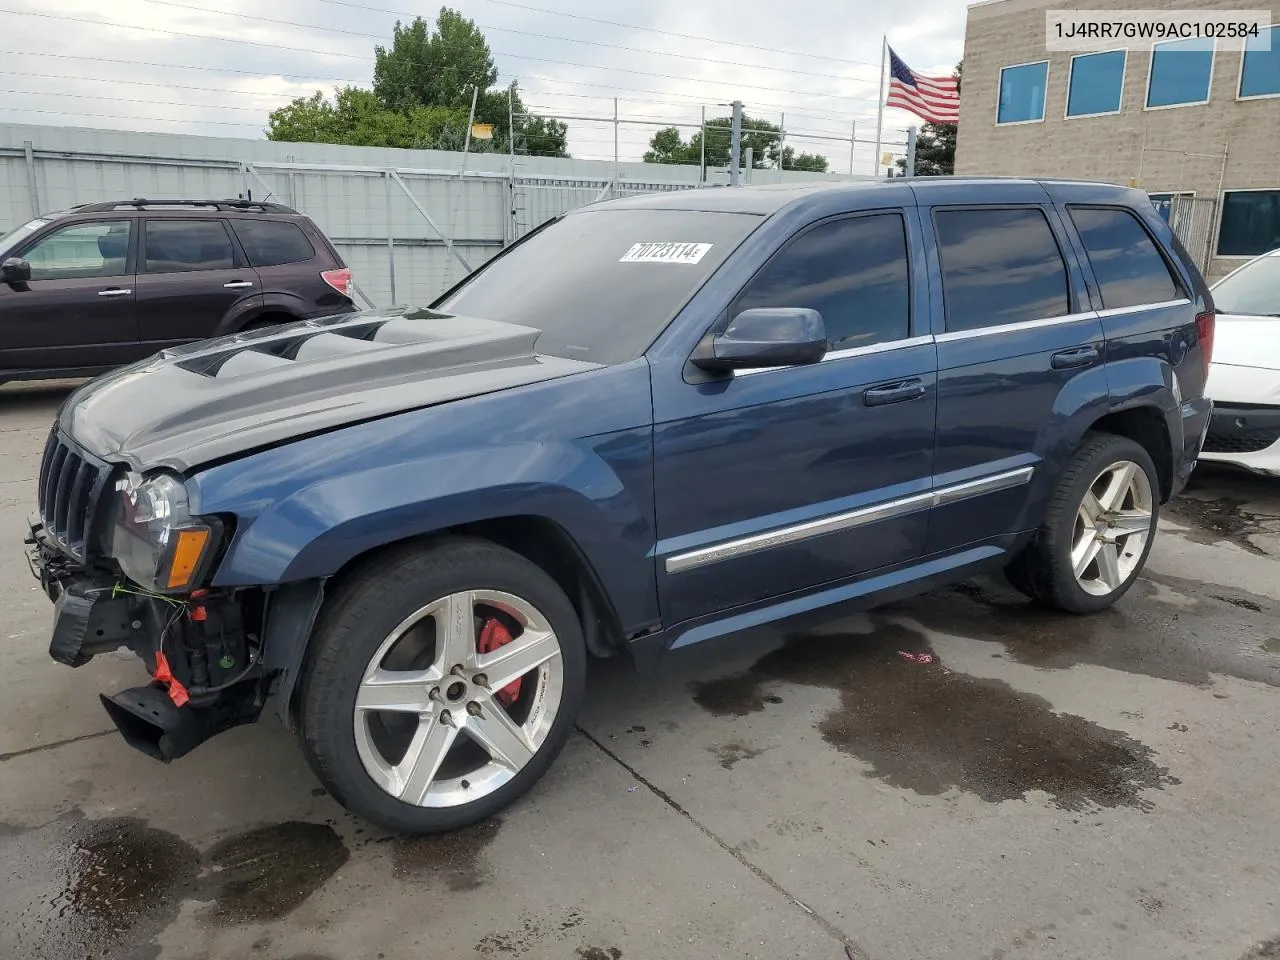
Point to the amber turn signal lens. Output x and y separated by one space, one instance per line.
188 548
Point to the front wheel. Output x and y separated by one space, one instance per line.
441 684
1097 531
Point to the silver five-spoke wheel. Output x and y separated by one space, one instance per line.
1112 527
1097 527
458 699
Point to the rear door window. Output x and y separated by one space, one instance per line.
852 271
999 266
1126 263
177 246
270 243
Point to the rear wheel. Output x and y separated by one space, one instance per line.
1097 531
441 685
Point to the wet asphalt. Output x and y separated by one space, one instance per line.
957 775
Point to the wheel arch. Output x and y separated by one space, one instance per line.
1147 425
294 608
547 545
268 317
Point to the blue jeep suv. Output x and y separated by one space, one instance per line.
650 423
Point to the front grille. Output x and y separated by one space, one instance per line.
1250 441
72 483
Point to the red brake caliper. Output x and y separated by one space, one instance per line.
492 636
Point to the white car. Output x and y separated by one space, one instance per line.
1244 377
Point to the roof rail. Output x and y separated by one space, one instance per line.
139 203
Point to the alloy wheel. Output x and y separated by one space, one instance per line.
459 698
1113 524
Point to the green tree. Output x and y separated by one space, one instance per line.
813 162
761 136
935 146
421 98
437 68
356 117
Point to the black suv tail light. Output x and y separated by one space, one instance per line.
340 280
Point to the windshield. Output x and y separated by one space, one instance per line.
1253 290
601 285
15 237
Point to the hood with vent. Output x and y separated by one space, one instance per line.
219 398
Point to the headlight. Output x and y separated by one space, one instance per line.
154 538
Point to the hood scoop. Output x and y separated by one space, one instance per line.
208 400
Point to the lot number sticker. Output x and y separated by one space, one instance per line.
669 252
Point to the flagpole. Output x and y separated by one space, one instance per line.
884 46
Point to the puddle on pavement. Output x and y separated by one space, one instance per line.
106 888
730 753
1206 631
265 873
1268 950
124 882
1220 519
455 857
735 695
924 728
533 931
599 953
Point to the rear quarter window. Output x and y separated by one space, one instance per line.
1128 266
270 243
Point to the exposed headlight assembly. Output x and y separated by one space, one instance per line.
155 539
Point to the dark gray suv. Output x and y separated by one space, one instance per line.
105 284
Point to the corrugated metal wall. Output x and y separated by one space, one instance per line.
351 192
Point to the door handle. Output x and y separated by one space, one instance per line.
238 284
893 393
115 292
1079 357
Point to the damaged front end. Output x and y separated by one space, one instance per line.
125 562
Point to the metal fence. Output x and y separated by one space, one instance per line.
409 223
1192 219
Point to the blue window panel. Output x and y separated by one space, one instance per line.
1260 75
1022 93
1250 223
1180 73
1097 80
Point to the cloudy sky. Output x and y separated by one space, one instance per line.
178 66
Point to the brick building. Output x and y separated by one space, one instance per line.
1199 130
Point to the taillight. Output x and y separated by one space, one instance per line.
340 280
1205 323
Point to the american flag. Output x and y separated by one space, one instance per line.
933 99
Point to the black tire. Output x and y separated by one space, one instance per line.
1043 570
362 612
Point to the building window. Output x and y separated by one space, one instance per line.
1260 70
1022 92
1095 85
1250 223
1180 73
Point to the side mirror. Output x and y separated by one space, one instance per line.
765 337
15 270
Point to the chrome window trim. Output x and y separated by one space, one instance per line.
743 546
1014 327
868 350
1140 307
